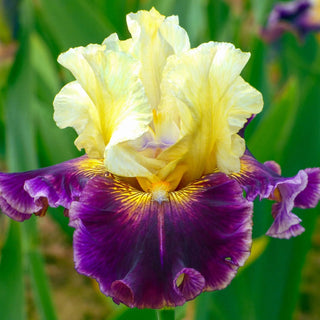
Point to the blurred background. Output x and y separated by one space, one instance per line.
37 276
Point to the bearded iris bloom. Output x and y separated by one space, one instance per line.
158 201
299 17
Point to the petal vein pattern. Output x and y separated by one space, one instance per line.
137 248
265 181
22 194
155 38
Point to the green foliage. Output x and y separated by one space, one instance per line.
288 132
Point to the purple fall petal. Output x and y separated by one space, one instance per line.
309 197
22 194
192 283
264 180
286 224
147 254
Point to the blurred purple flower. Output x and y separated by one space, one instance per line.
299 17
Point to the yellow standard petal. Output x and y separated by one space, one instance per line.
107 104
204 94
155 38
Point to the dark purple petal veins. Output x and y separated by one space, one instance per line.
264 180
22 194
149 254
309 197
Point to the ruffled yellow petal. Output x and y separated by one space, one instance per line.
155 109
210 103
128 160
154 39
113 43
74 108
108 97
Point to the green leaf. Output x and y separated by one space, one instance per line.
20 147
165 314
165 7
218 20
281 116
136 314
12 298
73 22
21 155
261 9
36 271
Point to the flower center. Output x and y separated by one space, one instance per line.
160 191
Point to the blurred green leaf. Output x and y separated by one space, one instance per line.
262 9
275 128
21 155
54 145
165 314
137 314
73 23
196 20
12 297
20 146
36 271
259 245
45 67
165 7
218 16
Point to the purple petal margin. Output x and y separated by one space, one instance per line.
264 180
22 194
147 254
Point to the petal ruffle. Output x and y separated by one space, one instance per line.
203 92
22 194
149 253
155 37
264 180
106 105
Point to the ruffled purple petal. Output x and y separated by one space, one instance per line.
309 197
257 179
286 224
22 194
148 254
264 180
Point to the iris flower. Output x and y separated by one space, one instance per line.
299 17
161 202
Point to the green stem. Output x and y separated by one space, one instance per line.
165 314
